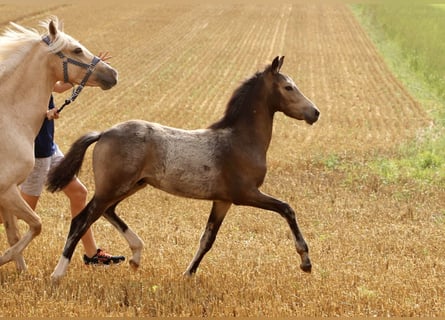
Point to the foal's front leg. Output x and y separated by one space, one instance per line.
217 215
261 200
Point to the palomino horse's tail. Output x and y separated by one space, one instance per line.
61 175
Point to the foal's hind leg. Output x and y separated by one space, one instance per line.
217 215
79 225
261 200
135 243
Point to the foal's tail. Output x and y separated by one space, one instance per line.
61 175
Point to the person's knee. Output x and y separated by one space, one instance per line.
81 193
76 192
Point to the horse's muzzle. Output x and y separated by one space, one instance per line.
312 116
107 80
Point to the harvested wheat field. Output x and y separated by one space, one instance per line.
376 246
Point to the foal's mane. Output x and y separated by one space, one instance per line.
16 42
239 103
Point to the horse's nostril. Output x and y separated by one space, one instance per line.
316 112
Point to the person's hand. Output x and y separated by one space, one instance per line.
52 114
104 56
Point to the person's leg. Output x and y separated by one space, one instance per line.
77 194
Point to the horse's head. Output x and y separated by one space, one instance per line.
78 65
286 97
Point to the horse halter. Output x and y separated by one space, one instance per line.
90 69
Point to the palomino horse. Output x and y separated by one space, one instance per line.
225 163
30 65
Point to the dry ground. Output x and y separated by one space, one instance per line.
377 248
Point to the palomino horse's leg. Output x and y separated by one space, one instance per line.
14 205
13 235
217 215
261 200
135 243
79 225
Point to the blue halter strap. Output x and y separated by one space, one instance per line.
90 69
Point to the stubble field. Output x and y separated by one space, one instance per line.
376 246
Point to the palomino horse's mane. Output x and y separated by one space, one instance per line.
237 103
16 43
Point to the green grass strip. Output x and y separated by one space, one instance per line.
411 38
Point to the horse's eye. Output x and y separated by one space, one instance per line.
288 88
78 51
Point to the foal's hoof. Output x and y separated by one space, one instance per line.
133 264
306 267
55 280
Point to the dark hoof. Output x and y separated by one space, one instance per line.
306 267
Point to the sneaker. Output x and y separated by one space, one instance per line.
101 257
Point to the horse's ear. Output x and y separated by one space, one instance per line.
281 63
276 64
52 29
